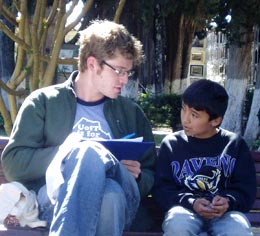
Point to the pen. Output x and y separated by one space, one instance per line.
128 136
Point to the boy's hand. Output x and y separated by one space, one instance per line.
134 167
202 207
220 204
211 210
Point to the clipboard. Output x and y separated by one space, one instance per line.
125 150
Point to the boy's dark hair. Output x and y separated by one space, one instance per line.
207 95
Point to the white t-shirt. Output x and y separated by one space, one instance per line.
90 121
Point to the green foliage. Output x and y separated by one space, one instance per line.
244 15
162 111
256 144
158 139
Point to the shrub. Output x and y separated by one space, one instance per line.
256 144
162 111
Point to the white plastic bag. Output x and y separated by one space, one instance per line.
18 202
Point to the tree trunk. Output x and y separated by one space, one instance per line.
173 51
238 72
7 65
119 10
236 89
158 60
6 56
180 33
32 63
253 123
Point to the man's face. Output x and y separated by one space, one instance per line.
196 123
112 76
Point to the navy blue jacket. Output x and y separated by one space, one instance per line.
190 168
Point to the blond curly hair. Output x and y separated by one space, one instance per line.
103 38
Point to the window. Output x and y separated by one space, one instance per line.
196 70
196 56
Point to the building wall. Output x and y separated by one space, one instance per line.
208 58
217 55
64 71
198 59
255 55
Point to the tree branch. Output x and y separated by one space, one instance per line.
12 36
19 93
119 10
7 14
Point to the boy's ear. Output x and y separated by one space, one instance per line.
217 121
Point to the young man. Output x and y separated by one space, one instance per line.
205 177
97 194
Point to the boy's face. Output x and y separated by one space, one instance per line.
196 123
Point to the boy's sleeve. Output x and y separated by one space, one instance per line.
241 188
166 191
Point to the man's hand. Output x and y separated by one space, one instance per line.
211 210
134 167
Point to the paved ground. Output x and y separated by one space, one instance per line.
256 231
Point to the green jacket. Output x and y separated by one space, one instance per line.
46 118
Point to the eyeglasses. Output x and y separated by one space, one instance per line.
120 72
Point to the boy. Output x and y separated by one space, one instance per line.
205 177
97 195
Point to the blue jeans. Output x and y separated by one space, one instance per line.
179 221
99 196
